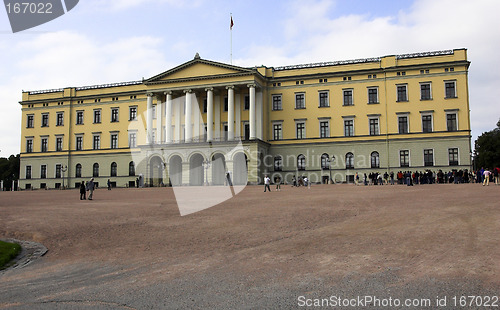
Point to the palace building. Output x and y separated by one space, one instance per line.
204 121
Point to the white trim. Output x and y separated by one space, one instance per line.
329 133
407 94
353 126
300 93
458 155
422 114
304 136
430 90
368 95
456 117
327 98
455 88
343 96
409 157
433 157
378 125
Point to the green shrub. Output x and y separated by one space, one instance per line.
8 251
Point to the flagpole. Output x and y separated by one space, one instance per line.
231 35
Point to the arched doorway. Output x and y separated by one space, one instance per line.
196 170
218 169
155 171
240 173
175 170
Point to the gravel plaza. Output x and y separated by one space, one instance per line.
297 248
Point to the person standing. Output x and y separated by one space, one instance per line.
356 179
267 182
90 188
486 177
82 191
278 184
109 185
495 175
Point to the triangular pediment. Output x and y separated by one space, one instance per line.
196 69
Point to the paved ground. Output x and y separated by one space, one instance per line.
130 249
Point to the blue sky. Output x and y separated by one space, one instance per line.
107 41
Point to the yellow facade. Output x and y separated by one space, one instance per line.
330 109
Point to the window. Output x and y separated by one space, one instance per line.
45 120
428 157
131 169
323 99
349 160
301 162
28 172
300 101
451 122
78 171
425 91
132 139
247 103
30 121
403 124
348 97
59 119
301 130
375 160
450 89
97 116
374 127
96 143
29 145
402 93
349 128
79 143
59 144
277 103
324 129
58 171
153 111
95 170
43 171
132 114
79 117
226 105
114 115
372 95
113 169
404 158
114 140
205 105
278 163
427 123
325 162
453 156
44 144
277 131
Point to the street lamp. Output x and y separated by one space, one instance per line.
63 169
206 165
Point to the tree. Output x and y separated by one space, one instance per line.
9 170
487 149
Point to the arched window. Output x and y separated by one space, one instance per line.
78 171
131 169
349 160
95 170
301 162
278 163
113 169
325 162
375 160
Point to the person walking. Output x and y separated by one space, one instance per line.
267 182
90 188
486 175
82 191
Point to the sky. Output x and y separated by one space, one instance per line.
110 41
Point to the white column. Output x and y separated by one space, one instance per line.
197 118
210 114
237 116
260 114
149 119
252 111
217 117
159 120
187 118
179 105
168 121
230 113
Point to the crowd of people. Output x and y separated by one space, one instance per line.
410 178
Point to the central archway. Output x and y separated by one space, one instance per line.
175 170
218 169
155 171
196 170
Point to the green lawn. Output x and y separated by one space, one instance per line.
8 251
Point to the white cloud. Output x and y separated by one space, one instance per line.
117 5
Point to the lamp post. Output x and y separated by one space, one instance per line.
63 169
206 165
